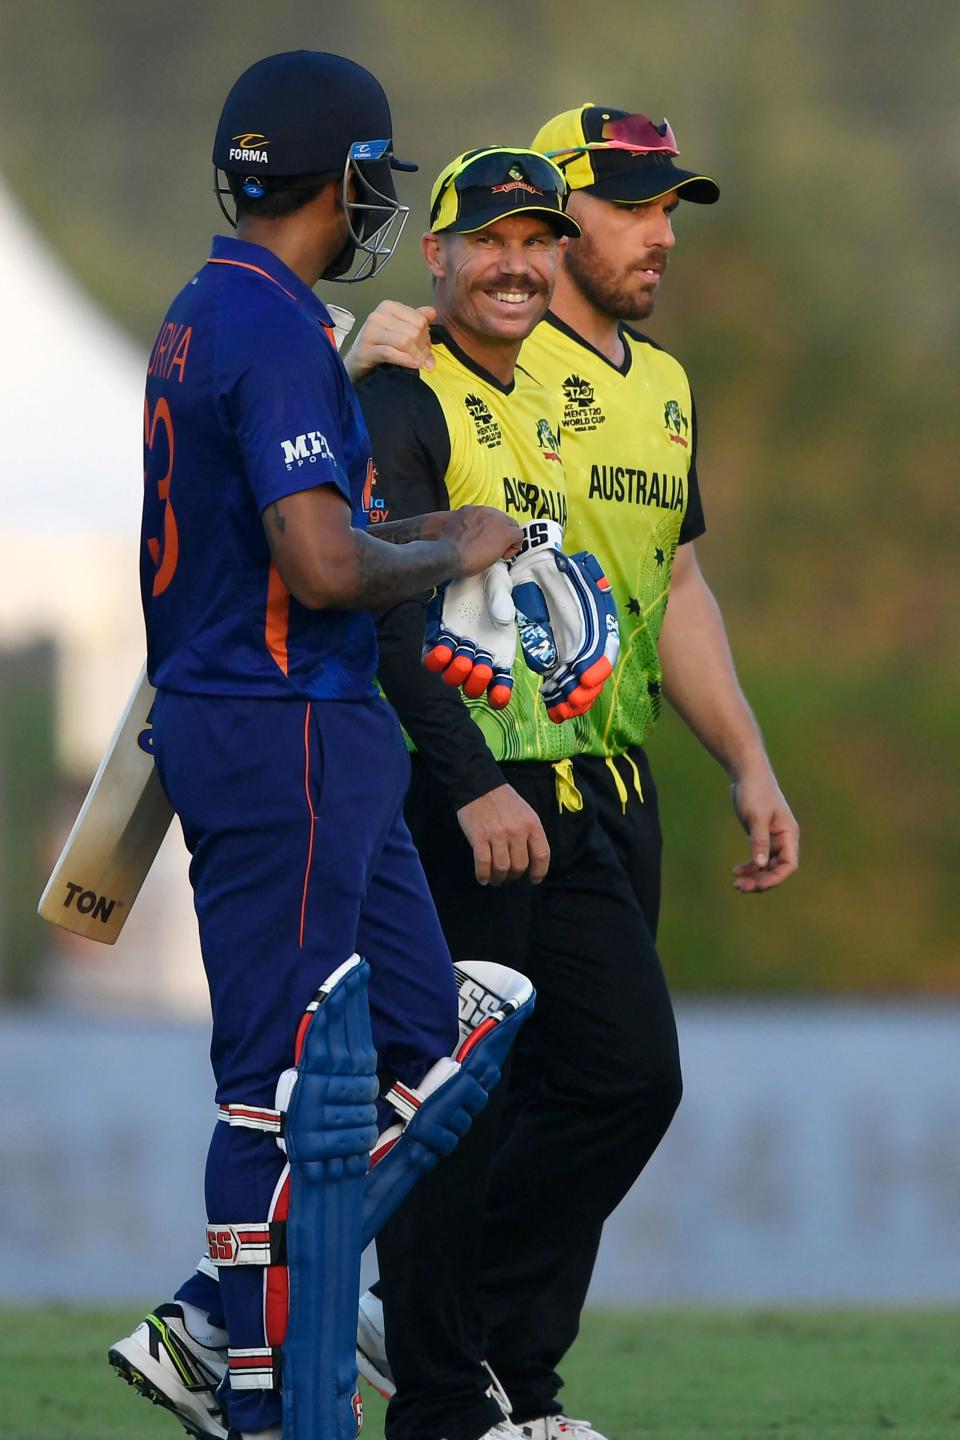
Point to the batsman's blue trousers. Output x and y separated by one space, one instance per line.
292 813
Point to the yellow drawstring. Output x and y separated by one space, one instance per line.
636 776
621 788
618 780
568 796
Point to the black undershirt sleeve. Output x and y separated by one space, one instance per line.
694 523
411 452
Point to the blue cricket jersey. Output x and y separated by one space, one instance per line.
246 401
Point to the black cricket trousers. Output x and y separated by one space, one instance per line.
490 1258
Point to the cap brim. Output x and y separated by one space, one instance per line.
639 184
561 223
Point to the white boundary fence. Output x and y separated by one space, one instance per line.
815 1159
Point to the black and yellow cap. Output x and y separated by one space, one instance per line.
620 156
482 186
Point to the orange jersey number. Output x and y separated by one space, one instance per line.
166 551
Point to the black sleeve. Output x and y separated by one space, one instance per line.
694 523
411 452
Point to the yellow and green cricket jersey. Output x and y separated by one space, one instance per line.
456 436
629 454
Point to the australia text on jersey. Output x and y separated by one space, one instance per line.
636 487
533 501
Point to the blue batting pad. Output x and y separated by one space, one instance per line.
331 1125
442 1120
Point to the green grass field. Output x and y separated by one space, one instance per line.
679 1375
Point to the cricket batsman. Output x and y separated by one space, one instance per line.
287 769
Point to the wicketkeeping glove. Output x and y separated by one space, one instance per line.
470 637
567 620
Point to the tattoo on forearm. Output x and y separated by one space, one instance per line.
386 576
275 524
401 532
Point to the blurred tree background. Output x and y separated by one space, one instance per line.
816 309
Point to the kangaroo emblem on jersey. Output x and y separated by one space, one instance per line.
548 442
673 419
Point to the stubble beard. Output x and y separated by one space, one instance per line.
607 292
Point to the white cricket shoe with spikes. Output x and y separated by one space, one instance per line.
163 1361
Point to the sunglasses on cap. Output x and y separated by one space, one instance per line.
510 169
633 133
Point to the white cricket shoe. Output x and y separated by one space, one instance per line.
163 1361
559 1427
374 1366
503 1430
372 1361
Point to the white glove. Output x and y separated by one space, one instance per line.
470 636
567 619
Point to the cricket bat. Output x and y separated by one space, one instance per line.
117 834
125 816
